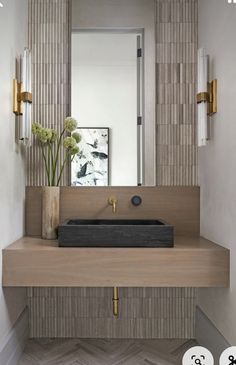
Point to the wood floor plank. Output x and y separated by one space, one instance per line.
104 352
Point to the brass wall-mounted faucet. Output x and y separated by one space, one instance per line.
112 200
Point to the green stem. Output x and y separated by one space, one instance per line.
62 168
57 153
49 164
45 162
72 158
52 164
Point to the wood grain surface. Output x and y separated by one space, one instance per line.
179 206
193 262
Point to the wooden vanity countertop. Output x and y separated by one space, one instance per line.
192 262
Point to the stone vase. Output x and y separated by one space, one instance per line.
50 211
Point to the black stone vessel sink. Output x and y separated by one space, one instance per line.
115 233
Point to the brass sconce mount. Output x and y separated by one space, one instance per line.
210 97
20 97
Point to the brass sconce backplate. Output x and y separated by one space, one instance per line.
212 91
209 97
17 102
20 97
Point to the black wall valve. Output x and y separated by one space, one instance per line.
136 200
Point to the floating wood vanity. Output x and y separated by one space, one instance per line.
192 262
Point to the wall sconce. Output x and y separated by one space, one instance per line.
22 97
206 97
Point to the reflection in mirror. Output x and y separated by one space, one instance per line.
105 99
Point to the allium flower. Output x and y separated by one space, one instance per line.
74 150
70 124
44 135
77 137
36 127
69 143
54 135
51 143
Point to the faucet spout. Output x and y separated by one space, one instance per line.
112 200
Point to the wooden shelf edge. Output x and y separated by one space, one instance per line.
193 262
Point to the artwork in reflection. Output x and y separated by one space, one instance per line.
90 166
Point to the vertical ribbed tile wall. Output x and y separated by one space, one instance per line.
176 57
49 36
87 313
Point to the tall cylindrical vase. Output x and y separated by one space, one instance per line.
50 211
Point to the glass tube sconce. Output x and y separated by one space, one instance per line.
22 98
206 97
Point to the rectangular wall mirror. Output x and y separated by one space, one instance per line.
105 82
112 60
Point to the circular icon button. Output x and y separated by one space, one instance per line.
198 355
228 356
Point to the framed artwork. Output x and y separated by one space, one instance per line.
90 167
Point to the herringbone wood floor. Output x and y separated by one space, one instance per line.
104 352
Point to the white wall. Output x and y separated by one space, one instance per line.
13 39
139 14
104 94
217 161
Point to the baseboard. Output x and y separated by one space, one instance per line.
209 336
12 345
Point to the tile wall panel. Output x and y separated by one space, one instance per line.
176 61
87 313
49 36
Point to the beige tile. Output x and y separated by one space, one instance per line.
61 312
176 27
48 39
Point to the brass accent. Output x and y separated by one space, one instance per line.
15 108
20 97
112 200
210 97
26 97
115 301
17 102
212 89
202 97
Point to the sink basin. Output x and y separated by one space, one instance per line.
115 233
